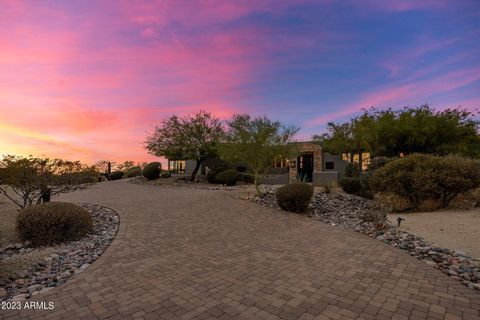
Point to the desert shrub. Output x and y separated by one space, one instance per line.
228 177
476 196
166 175
134 172
212 174
351 185
242 168
379 162
359 186
351 170
426 177
463 201
295 197
115 175
53 222
152 170
246 177
393 201
376 213
429 204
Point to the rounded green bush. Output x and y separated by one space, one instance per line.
53 222
134 172
228 177
351 185
116 175
246 177
152 170
295 197
422 177
212 174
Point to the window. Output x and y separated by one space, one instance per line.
329 165
280 162
176 166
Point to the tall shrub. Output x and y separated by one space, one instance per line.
420 177
152 170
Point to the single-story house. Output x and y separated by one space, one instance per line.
311 165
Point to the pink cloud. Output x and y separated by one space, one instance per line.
398 95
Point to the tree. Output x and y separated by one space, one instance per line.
349 138
410 130
257 142
105 167
191 138
28 180
126 165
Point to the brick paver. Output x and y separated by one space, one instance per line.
199 254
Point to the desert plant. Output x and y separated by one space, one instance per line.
246 177
116 175
379 162
351 185
376 213
295 197
152 170
359 186
192 137
212 174
28 180
53 222
423 177
476 196
257 142
463 201
328 188
351 170
228 177
134 172
393 201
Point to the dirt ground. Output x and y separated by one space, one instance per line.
453 229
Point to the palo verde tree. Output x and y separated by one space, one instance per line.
257 142
192 137
29 180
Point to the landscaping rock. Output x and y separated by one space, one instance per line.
69 258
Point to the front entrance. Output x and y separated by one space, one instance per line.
305 167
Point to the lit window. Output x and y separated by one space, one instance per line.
176 166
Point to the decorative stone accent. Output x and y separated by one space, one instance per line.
317 158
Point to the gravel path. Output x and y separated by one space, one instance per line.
199 254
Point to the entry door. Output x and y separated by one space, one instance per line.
305 167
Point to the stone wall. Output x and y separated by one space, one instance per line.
317 158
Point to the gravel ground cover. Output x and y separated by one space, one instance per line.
26 272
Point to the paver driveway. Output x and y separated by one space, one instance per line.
198 254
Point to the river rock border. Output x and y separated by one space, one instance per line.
346 211
69 258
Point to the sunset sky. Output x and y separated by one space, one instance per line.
87 80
